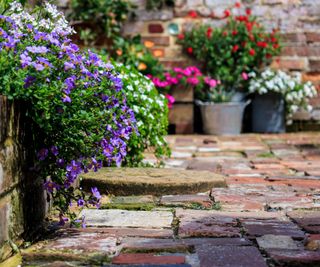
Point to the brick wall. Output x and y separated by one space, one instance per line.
22 203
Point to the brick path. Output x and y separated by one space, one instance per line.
268 216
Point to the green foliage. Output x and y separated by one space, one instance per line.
103 17
158 4
151 113
240 46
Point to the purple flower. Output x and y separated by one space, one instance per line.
54 150
37 49
43 153
80 202
45 62
25 59
70 84
95 192
38 67
51 186
69 65
28 81
66 99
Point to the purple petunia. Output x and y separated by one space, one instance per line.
95 192
54 150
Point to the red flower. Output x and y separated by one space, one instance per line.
248 11
274 39
244 44
209 32
225 33
262 44
249 26
235 48
235 32
237 5
268 55
181 36
275 46
252 52
242 18
227 13
193 14
190 50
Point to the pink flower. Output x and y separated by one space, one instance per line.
211 82
244 76
192 80
171 100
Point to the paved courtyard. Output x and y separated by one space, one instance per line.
268 215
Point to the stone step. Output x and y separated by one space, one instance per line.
151 181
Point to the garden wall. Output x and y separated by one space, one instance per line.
22 203
298 20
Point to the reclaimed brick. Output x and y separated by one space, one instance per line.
230 256
312 37
287 257
144 258
314 65
155 28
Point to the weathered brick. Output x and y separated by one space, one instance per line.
291 64
313 37
155 28
314 65
144 258
294 37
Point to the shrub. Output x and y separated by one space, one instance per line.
75 100
151 112
230 52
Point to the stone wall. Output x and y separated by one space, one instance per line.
22 203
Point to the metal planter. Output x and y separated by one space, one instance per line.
268 113
222 118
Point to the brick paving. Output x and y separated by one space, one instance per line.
269 215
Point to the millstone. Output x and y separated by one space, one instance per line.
151 181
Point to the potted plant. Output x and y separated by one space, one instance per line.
277 96
230 52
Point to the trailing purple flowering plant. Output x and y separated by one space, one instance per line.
74 99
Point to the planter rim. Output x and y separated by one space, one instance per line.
233 103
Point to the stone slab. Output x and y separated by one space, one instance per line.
151 181
255 228
125 218
276 242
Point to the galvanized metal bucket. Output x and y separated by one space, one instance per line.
222 118
268 113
